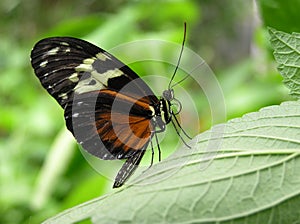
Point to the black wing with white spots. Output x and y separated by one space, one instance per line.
66 65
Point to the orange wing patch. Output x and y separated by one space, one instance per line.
141 102
122 129
128 132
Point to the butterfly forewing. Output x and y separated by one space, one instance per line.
55 60
63 63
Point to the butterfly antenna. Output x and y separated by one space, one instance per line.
182 46
175 84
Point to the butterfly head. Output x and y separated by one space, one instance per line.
172 105
168 94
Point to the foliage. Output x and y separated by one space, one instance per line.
286 53
242 171
42 172
280 15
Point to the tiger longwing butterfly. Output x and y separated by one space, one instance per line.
111 112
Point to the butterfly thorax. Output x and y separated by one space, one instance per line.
167 97
165 110
162 110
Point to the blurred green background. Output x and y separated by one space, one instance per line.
42 171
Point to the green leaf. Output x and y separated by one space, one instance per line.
287 54
282 15
244 171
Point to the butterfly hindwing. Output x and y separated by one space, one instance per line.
108 120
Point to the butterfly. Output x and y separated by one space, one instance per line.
112 113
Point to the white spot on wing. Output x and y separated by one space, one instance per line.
53 51
43 64
75 115
74 77
83 86
64 96
103 57
103 77
89 61
64 43
84 68
101 80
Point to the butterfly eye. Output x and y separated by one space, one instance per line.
168 94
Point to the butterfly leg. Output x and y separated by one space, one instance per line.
162 129
177 122
152 154
158 147
178 133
